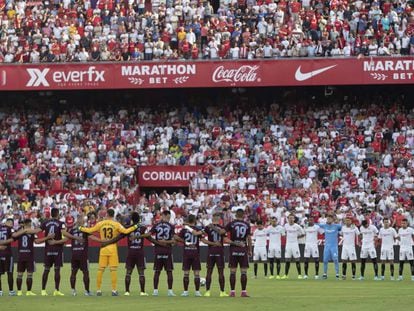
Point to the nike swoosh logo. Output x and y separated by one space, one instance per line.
299 76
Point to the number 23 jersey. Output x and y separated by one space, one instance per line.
163 231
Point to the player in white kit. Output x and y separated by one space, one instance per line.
350 235
369 234
387 234
405 234
311 247
292 252
275 233
260 252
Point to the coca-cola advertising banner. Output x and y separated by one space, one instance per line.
284 72
166 176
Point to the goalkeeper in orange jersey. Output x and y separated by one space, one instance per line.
108 255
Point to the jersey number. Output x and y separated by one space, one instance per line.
24 241
52 230
3 236
189 238
163 233
240 232
78 235
216 236
108 233
137 239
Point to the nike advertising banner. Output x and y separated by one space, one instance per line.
166 176
281 72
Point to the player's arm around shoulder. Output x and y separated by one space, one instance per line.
301 231
70 236
178 237
51 236
322 226
109 242
6 242
124 230
93 229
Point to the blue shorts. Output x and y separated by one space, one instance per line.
330 253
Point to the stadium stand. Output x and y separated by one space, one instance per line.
134 30
269 155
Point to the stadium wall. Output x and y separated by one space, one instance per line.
208 74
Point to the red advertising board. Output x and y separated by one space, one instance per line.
284 72
166 176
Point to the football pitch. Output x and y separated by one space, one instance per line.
265 294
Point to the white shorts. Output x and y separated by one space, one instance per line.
368 252
311 251
387 254
292 251
348 253
274 252
406 254
260 254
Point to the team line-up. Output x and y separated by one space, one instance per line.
267 249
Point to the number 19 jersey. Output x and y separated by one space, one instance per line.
239 232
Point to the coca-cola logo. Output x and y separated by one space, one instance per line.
244 73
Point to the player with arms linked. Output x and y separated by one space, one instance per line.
387 235
330 250
26 237
405 235
136 255
369 235
190 236
163 232
108 254
79 260
274 253
54 250
215 256
240 250
350 234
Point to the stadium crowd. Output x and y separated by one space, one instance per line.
353 156
133 30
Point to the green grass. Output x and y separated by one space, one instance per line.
291 294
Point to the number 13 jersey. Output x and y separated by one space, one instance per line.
108 229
